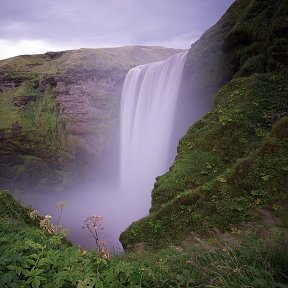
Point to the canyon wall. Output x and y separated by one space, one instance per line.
59 112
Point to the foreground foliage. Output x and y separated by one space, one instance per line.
255 256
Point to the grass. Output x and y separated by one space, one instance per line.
84 59
9 113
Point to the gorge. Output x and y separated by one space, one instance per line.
90 109
144 154
182 152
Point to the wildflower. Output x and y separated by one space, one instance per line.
178 249
60 205
190 262
93 224
93 221
225 248
235 231
34 214
47 217
275 206
237 270
44 223
83 251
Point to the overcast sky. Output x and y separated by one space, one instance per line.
37 26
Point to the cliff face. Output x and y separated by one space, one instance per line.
61 108
232 162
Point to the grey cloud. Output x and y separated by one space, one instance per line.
111 21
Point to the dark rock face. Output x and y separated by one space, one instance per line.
21 101
249 38
89 108
52 54
2 134
16 129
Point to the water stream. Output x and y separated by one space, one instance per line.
149 100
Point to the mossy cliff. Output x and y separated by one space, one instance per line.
60 109
233 161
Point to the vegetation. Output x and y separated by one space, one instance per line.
227 165
31 257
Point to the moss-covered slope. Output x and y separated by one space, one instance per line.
231 161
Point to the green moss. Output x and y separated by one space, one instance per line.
34 148
40 120
9 113
62 64
259 180
255 64
252 34
10 209
280 26
26 88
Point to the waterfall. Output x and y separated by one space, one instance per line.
148 106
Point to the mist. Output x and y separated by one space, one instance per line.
146 140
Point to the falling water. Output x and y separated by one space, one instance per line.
148 106
147 119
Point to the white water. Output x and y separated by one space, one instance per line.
148 106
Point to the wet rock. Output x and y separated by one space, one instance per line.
7 85
51 55
45 81
21 101
2 134
16 129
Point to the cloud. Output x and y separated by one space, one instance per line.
13 48
91 23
